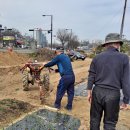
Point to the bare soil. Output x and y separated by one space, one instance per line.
11 88
11 109
12 58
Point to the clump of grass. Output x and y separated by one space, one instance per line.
11 109
43 54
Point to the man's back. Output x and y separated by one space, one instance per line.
109 69
64 64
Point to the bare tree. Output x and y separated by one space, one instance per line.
69 39
73 42
62 36
85 43
12 32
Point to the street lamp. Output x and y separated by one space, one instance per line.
69 36
51 27
9 29
69 29
32 31
34 42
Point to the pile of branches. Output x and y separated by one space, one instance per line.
44 54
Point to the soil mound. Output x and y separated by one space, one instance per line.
12 58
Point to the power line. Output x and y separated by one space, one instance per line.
108 22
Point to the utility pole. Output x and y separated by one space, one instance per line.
0 33
70 37
51 30
123 18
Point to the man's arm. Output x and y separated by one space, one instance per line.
53 62
91 79
126 81
91 76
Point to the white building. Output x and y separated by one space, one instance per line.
41 39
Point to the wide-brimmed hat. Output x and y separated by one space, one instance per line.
113 38
61 49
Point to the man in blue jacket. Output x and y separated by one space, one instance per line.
109 72
67 80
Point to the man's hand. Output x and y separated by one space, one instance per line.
56 70
124 106
89 97
43 63
51 69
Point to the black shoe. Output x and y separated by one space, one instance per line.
69 109
25 89
57 107
32 82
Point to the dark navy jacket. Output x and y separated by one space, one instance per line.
110 69
63 63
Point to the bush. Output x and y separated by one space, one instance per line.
43 54
92 55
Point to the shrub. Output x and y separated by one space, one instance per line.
43 54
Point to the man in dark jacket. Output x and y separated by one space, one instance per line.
67 80
109 72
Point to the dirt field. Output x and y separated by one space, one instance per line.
11 87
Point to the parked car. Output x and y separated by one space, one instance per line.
76 55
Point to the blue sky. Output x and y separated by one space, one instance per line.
89 19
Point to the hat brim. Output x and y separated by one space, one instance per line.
59 51
113 41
